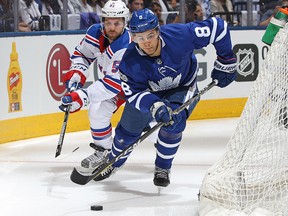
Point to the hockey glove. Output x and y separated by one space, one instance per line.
77 99
224 71
74 78
163 113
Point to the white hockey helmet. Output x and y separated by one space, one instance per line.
115 8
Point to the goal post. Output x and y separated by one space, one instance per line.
251 178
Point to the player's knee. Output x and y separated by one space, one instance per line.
123 137
122 140
170 135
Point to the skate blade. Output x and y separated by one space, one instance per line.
159 189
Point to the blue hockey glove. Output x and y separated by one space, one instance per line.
163 113
175 119
224 71
76 99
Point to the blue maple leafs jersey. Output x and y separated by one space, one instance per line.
145 79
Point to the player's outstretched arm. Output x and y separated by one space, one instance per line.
76 99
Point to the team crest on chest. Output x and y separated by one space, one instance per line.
165 83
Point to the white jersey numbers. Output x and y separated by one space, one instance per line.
202 31
126 88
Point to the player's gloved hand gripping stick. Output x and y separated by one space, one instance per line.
82 179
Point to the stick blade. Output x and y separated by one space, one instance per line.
58 151
78 178
57 154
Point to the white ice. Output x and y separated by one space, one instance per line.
33 182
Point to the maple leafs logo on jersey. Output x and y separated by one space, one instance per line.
165 83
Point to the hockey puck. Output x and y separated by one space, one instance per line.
96 208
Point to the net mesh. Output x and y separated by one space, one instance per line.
253 171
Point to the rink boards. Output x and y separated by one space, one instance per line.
44 58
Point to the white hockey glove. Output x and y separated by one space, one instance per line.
77 99
74 78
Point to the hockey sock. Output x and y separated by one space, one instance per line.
167 146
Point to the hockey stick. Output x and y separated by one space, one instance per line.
81 179
63 129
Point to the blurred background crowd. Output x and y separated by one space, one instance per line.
41 15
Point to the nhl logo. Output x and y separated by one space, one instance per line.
245 62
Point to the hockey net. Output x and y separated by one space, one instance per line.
252 176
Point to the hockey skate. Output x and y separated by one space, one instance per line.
161 178
92 162
95 160
95 163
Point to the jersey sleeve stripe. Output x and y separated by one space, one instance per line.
90 38
224 32
136 99
92 41
140 98
93 44
212 38
77 53
132 98
90 60
111 84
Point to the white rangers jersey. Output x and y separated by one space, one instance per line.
95 46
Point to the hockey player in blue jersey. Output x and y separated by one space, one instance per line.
158 73
106 43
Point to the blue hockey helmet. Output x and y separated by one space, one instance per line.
143 20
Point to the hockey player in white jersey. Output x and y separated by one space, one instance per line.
106 43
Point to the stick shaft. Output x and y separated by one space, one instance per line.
63 131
